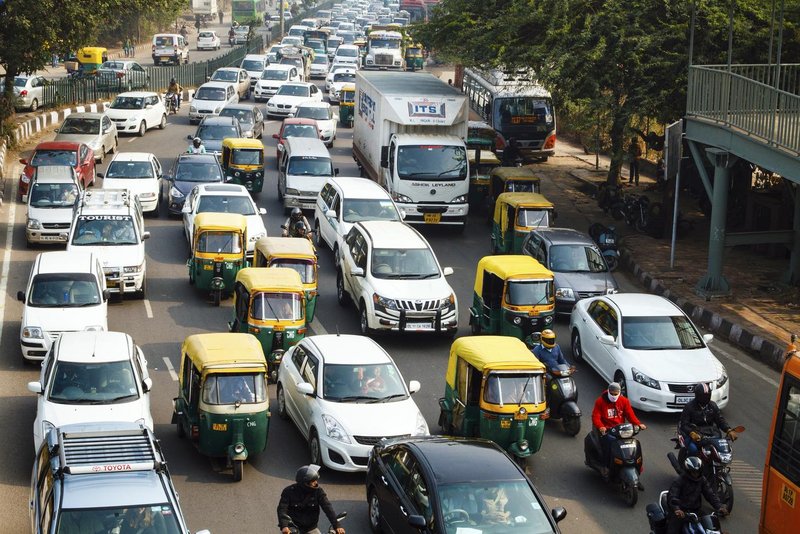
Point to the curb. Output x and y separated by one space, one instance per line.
756 346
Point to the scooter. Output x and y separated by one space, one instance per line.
606 239
562 398
294 529
657 517
625 459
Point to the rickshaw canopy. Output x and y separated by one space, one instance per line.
242 143
515 173
518 200
213 221
274 278
92 55
286 247
225 353
509 267
487 157
348 88
503 353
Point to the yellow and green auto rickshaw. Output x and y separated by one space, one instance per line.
495 389
415 60
515 215
512 180
481 164
222 402
88 60
294 253
513 296
218 252
347 104
243 162
270 304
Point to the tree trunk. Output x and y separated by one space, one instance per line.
619 122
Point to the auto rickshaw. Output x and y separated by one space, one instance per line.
347 104
415 60
243 162
218 252
495 389
223 402
512 180
270 304
89 59
481 164
294 253
513 296
515 215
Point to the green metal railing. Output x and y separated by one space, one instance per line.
745 98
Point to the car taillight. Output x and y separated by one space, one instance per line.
120 75
550 143
24 92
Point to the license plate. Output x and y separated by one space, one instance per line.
417 326
208 267
165 58
112 284
51 238
220 427
432 218
683 400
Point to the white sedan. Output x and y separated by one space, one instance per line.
139 172
337 67
323 114
344 393
291 95
339 80
647 344
208 40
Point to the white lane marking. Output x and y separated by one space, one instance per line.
317 327
148 309
171 369
748 367
747 479
131 139
12 211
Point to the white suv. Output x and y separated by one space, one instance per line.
66 292
54 190
271 80
392 275
88 377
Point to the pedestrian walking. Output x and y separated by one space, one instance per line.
221 16
634 154
128 52
54 59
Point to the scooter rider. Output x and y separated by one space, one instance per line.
302 501
197 146
685 495
548 351
296 216
611 409
702 415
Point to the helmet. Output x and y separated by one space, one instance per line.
702 394
307 474
172 80
548 339
299 227
297 214
692 465
196 142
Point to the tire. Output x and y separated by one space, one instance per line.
217 297
281 398
34 105
314 448
374 512
102 157
612 262
640 225
363 322
157 211
238 470
572 425
630 494
181 430
577 348
623 385
725 493
115 148
280 194
336 255
341 292
142 293
522 463
475 326
163 123
142 129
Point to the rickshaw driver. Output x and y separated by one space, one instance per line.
236 390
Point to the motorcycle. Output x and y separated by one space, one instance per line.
625 459
657 517
294 529
606 239
716 453
562 398
610 201
171 101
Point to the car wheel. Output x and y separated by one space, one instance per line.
363 322
115 147
102 155
163 122
143 292
317 238
623 385
281 396
341 292
142 129
374 512
34 105
315 448
577 349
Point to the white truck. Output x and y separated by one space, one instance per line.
409 136
205 8
384 51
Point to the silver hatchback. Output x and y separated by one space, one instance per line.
94 129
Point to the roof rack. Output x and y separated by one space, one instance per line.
108 451
106 198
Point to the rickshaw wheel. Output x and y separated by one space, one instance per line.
522 463
238 470
217 296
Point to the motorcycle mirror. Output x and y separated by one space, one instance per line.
558 513
739 429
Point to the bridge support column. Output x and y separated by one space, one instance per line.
792 276
714 282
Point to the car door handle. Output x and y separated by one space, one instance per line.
385 482
403 511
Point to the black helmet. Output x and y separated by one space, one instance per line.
692 465
196 142
702 394
307 474
172 80
299 227
297 214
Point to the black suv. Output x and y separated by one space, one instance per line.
188 171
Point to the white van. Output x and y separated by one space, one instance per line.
254 64
53 192
170 48
304 167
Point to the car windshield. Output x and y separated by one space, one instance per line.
313 112
293 90
93 383
226 76
576 259
244 156
431 162
660 333
300 130
413 263
104 230
344 77
363 383
160 518
206 35
529 292
128 102
369 209
493 507
219 242
513 388
226 204
266 306
275 74
334 42
210 93
130 169
113 65
531 217
241 115
310 166
320 60
305 268
80 126
216 132
346 52
385 43
53 195
253 64
54 157
63 290
198 172
249 388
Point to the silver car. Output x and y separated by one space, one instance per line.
95 129
28 90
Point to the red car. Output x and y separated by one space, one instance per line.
293 127
79 155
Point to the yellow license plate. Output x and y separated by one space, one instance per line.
208 267
220 427
520 416
505 423
432 218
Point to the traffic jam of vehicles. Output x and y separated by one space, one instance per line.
428 154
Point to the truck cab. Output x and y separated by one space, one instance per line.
384 51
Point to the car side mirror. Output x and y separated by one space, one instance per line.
607 340
35 387
186 209
262 211
336 172
414 386
149 106
357 271
447 271
147 384
106 294
21 296
145 235
100 175
305 388
558 513
417 522
708 338
331 214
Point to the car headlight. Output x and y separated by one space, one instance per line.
94 328
34 224
565 293
397 197
723 379
387 303
334 429
32 332
644 380
396 61
133 269
135 118
174 192
192 109
47 426
448 301
421 427
291 191
459 200
237 174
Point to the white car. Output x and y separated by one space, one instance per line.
29 91
297 30
272 79
319 67
239 78
347 53
208 40
647 344
254 64
138 172
137 112
339 80
337 67
210 98
323 114
345 394
90 377
66 292
290 40
389 271
52 195
291 95
224 198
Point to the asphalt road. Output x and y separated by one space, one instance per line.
210 499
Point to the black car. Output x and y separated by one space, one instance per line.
188 171
439 485
213 130
250 118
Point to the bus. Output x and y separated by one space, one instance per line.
248 11
515 105
780 509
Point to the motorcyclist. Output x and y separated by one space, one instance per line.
197 146
175 88
292 229
548 351
184 31
611 409
685 495
231 36
702 416
302 501
511 153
